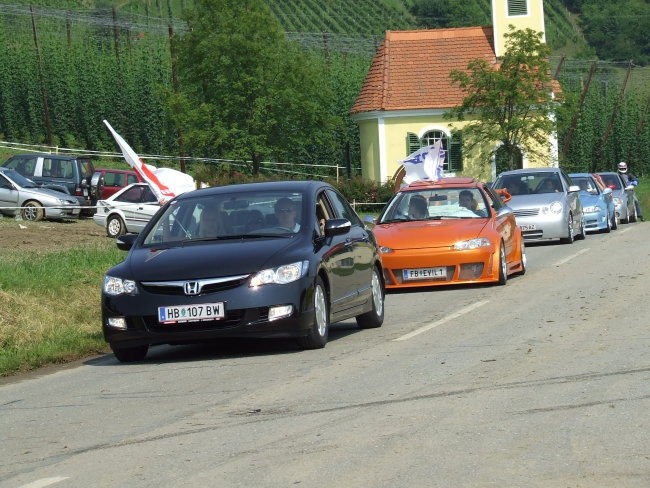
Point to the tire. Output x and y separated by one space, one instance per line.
570 238
130 354
607 229
583 233
115 226
523 258
614 221
632 216
375 317
319 331
503 265
32 211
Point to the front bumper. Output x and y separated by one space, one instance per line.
246 315
460 266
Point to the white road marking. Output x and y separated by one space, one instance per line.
443 320
42 483
569 258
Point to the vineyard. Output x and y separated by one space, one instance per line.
66 67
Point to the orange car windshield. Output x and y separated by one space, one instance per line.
445 203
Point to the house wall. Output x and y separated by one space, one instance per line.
500 21
384 144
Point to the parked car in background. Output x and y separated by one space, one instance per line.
597 203
546 203
128 210
63 172
21 196
623 196
446 232
273 259
108 181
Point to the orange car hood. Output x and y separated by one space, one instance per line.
432 233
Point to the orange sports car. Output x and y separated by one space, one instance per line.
449 231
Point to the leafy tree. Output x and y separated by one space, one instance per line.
244 91
618 30
510 102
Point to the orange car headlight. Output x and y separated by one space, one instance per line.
472 244
385 250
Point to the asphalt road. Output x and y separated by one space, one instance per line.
542 383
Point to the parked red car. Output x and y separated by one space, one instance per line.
107 181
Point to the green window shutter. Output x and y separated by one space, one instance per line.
412 143
456 152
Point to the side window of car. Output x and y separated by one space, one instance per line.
148 196
343 208
66 169
130 179
324 212
24 166
4 183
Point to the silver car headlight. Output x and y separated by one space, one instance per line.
117 286
472 244
618 201
281 275
553 208
592 209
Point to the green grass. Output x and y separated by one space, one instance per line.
51 306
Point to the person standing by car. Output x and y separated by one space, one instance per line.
630 180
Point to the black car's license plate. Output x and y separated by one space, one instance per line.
189 313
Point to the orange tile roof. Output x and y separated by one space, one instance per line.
411 68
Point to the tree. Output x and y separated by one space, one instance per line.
511 102
244 91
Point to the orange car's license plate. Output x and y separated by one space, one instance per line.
423 273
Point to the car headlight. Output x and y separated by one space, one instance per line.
281 275
117 286
472 244
618 201
553 208
385 250
592 209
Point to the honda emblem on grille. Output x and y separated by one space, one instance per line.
192 288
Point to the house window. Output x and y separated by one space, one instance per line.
453 145
517 7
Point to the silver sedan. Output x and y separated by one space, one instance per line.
545 203
21 196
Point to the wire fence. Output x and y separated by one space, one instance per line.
272 167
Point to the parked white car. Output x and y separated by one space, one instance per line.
127 211
21 196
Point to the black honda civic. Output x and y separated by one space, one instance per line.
275 259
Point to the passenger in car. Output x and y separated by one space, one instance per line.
210 221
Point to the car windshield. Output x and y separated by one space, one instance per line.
529 183
19 179
227 216
441 203
586 184
612 181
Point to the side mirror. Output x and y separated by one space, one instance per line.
125 242
607 191
503 195
573 188
337 227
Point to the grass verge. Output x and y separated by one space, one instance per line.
51 306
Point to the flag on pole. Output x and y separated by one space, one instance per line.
166 183
425 163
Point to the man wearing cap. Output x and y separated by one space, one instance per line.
630 179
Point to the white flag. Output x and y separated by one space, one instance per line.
424 164
166 183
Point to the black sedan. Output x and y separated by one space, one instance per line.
278 259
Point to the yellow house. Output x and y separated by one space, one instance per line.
408 89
